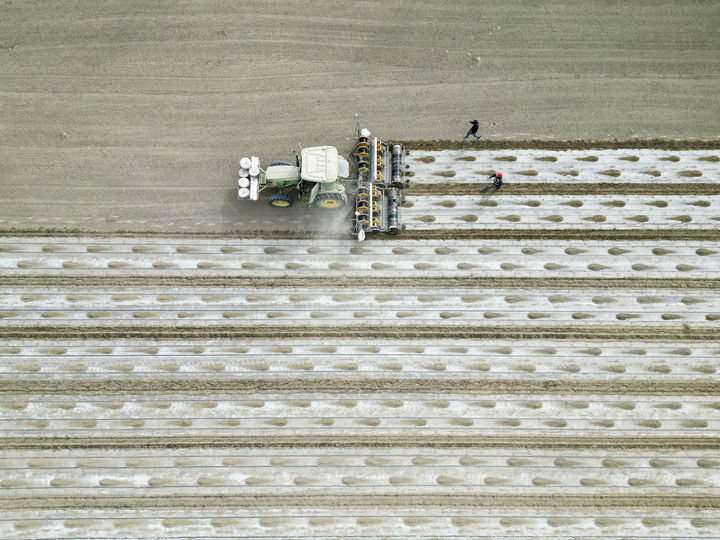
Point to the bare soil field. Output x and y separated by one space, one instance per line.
132 115
539 362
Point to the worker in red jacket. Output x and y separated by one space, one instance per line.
497 182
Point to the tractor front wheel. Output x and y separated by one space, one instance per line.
280 200
331 201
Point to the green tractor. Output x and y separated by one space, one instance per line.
316 179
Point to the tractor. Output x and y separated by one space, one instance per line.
319 179
316 179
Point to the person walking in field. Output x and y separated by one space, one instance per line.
496 184
473 130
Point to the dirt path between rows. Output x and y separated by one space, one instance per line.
276 384
580 332
609 442
452 189
405 500
347 282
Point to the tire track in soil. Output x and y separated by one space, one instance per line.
446 500
359 385
341 282
580 332
310 441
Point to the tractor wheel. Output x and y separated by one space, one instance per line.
281 162
280 200
330 201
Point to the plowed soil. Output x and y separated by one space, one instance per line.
119 118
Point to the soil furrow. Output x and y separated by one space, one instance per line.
346 282
445 500
275 384
456 187
309 440
580 332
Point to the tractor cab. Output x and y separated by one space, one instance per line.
322 166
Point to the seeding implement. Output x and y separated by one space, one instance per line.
380 179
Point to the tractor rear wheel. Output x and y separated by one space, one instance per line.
280 200
330 201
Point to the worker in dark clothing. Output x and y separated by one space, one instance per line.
473 130
497 182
